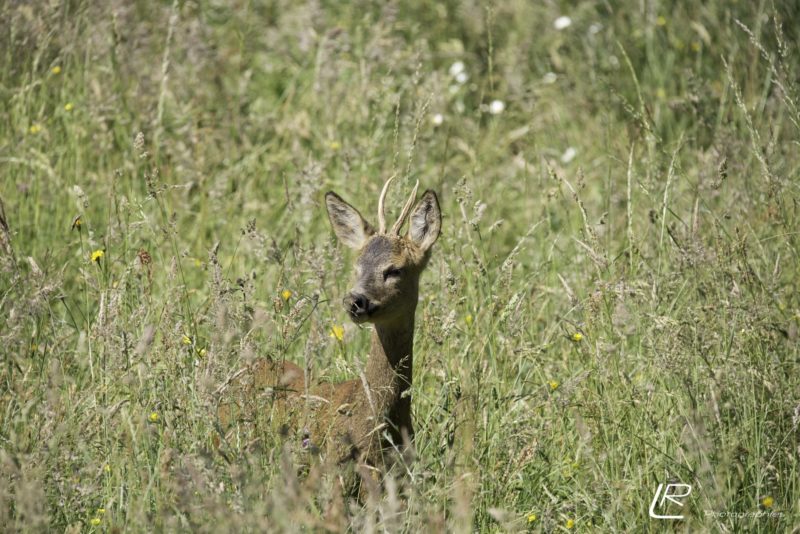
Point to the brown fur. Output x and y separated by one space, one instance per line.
349 421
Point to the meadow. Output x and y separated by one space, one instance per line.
612 305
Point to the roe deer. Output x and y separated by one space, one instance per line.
351 421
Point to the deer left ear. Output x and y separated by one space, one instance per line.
348 224
425 221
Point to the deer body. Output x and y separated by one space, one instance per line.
348 421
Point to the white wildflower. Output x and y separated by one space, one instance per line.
562 22
549 78
437 119
496 107
568 155
456 68
462 78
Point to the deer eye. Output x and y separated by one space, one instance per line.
391 272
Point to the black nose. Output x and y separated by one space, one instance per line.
359 304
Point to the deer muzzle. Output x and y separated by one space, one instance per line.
359 306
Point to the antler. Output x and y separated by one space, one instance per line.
381 205
381 213
406 209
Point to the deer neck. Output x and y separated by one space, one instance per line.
389 365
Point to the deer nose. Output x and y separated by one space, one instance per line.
359 304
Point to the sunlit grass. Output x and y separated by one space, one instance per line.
612 303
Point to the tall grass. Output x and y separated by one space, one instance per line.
613 303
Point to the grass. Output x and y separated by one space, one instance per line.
613 302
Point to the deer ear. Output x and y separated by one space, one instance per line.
425 221
348 224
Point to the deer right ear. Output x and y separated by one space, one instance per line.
348 224
426 221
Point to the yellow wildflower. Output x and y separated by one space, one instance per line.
107 468
77 222
56 70
186 340
767 502
576 337
202 353
95 521
101 511
337 332
286 294
570 523
468 319
68 106
97 255
154 417
531 518
661 21
553 384
335 145
35 129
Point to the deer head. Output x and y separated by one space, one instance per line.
388 264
